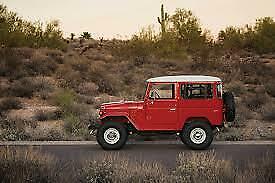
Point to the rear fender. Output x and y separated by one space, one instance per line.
191 119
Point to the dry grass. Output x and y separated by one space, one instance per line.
202 167
27 165
30 165
260 171
115 168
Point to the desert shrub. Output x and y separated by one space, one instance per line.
270 88
236 87
10 103
46 115
13 130
27 165
255 101
202 167
107 83
230 134
71 77
242 114
41 65
85 99
23 87
268 112
44 87
87 88
56 55
47 135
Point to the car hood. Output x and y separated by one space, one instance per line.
122 105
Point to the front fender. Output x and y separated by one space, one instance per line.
120 114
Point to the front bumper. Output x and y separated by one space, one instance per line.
93 126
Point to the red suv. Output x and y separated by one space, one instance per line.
190 106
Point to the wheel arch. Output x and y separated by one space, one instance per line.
192 119
120 119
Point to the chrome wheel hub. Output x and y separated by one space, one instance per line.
111 136
198 135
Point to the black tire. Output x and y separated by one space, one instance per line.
199 126
229 104
120 128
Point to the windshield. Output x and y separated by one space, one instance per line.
146 86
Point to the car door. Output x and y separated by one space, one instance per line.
161 112
197 100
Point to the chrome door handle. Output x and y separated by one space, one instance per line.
173 109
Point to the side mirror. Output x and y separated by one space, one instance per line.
152 95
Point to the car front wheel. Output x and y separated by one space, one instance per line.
112 136
197 135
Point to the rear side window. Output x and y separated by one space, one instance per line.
197 91
162 91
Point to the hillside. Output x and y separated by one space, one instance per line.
48 94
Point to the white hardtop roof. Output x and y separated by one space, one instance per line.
184 78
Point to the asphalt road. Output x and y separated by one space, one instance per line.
162 152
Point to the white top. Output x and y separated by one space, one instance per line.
184 78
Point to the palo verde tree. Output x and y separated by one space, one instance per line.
187 30
17 32
230 38
264 35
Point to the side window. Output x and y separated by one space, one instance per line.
219 90
197 91
162 91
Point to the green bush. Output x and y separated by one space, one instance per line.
72 124
65 99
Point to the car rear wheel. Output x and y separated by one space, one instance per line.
112 136
197 135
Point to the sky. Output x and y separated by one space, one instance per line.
123 18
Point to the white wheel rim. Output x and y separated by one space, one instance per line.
198 135
111 136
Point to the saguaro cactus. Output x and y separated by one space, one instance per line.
163 19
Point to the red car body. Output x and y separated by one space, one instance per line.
189 106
